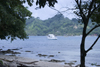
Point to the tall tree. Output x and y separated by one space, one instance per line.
13 15
87 9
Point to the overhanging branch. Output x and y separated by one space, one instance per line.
55 10
93 44
92 29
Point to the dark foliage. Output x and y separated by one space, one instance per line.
13 15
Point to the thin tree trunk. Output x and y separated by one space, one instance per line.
82 53
82 47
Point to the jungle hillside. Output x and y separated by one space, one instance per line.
58 25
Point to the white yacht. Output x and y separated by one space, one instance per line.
52 37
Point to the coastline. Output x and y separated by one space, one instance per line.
42 49
14 61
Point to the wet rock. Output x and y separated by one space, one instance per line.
58 52
7 51
20 48
93 64
12 55
53 60
16 53
15 49
27 51
74 61
51 56
97 65
42 55
70 63
10 51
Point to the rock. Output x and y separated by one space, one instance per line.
15 49
93 64
10 51
97 65
74 61
7 51
51 56
16 53
20 48
13 61
70 63
53 60
8 60
27 51
42 55
58 52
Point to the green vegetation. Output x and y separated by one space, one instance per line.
13 15
57 25
1 62
12 19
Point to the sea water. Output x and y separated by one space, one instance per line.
64 48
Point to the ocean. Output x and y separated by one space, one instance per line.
64 48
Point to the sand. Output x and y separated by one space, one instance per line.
14 61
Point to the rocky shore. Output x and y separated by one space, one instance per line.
13 61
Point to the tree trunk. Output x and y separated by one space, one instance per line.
82 48
82 53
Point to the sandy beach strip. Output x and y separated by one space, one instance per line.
14 61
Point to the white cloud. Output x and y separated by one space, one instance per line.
47 12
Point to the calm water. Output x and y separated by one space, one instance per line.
65 48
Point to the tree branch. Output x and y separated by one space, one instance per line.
93 44
79 5
92 29
56 10
90 8
90 13
81 10
67 9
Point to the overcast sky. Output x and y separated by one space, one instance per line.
47 12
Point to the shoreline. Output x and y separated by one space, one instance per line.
14 61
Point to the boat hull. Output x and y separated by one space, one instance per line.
52 37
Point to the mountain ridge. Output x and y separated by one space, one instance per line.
58 25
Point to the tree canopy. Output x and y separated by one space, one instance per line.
13 15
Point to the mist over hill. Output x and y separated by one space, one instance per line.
57 25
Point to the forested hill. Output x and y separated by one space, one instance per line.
57 25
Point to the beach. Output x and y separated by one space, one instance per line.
14 61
